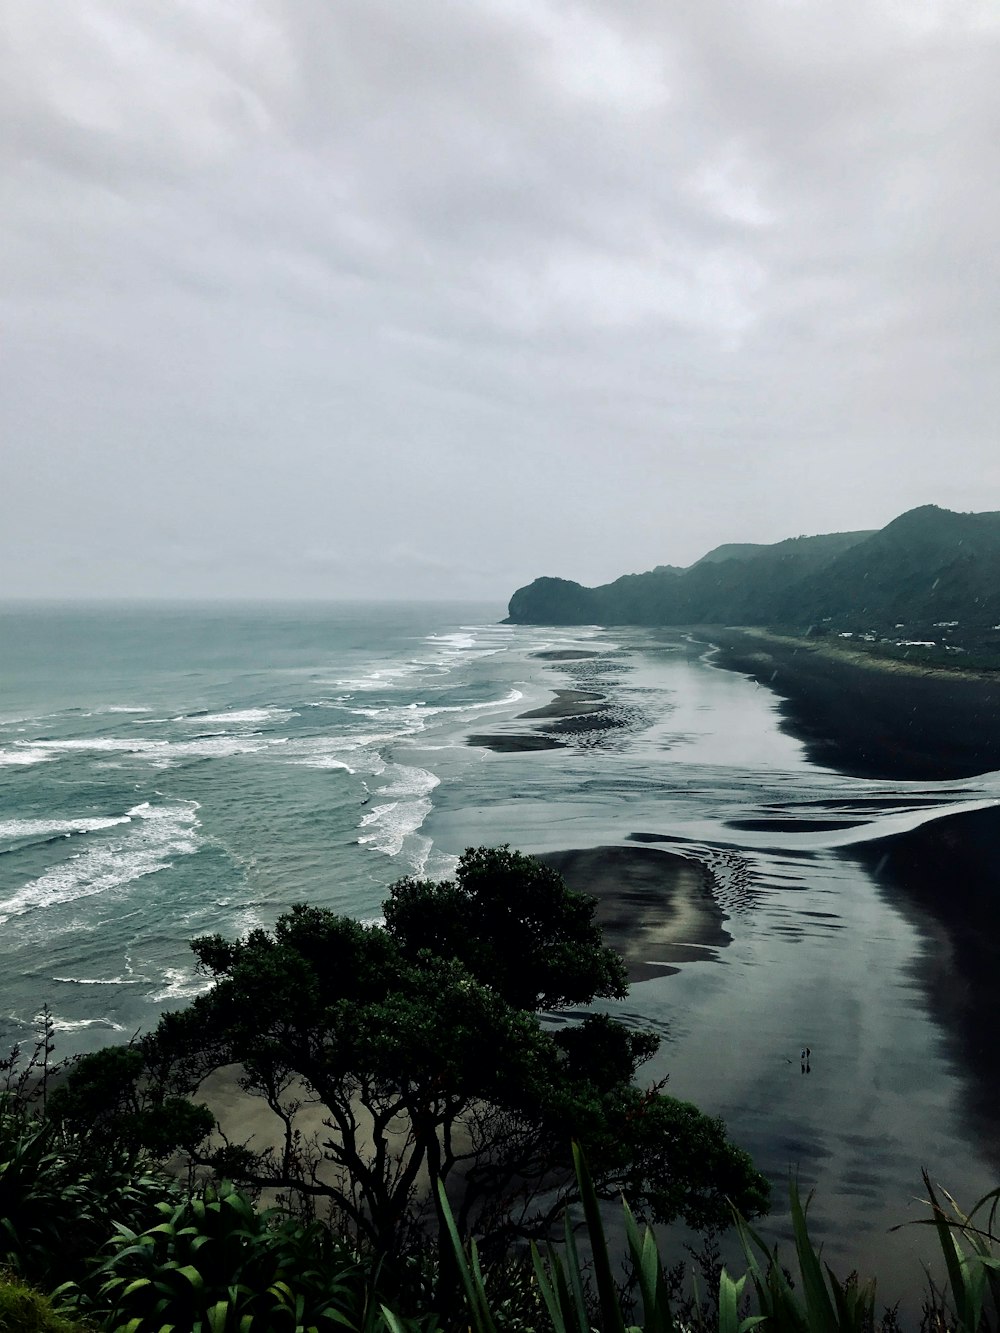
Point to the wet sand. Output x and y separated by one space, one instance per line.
945 878
871 718
656 908
569 712
569 703
874 719
565 655
514 743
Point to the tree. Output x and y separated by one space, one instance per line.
421 1043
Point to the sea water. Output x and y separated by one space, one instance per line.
167 772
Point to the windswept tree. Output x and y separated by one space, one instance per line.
418 1048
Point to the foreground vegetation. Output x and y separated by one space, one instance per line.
382 1061
87 1244
464 1164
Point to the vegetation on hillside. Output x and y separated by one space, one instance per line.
924 570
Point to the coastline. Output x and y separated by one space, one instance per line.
944 878
888 720
871 718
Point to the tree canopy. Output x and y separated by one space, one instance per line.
420 1043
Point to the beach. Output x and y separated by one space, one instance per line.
868 716
655 908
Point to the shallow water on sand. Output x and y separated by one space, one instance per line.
819 958
168 773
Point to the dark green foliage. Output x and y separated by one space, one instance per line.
422 1044
60 1198
579 1297
513 925
214 1264
927 565
113 1094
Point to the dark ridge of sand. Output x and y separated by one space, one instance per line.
564 655
869 719
515 744
568 703
791 825
656 908
945 878
579 713
655 837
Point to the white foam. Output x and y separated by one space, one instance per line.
79 1024
47 828
181 984
511 697
240 716
218 746
408 781
98 744
118 708
392 824
155 835
318 752
100 981
453 642
26 754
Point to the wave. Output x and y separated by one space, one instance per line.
48 830
100 981
80 1024
511 697
318 752
118 708
180 984
453 643
27 753
155 835
241 716
391 823
409 781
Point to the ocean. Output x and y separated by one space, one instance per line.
172 771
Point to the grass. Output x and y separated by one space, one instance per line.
579 1297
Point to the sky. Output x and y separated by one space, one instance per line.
427 298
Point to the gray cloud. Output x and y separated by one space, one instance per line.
400 299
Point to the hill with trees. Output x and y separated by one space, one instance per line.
926 567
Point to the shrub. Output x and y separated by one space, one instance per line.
215 1263
60 1200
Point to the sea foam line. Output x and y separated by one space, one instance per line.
46 828
157 834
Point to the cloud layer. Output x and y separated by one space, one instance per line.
395 299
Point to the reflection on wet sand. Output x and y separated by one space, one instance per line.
848 937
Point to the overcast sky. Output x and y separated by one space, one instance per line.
424 298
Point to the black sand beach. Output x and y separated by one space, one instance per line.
570 713
876 718
945 877
655 907
870 720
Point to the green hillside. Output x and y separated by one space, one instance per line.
927 566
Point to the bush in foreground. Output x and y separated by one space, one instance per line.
421 1042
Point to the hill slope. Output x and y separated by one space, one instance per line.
927 565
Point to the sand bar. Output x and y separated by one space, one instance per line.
514 742
655 907
569 703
